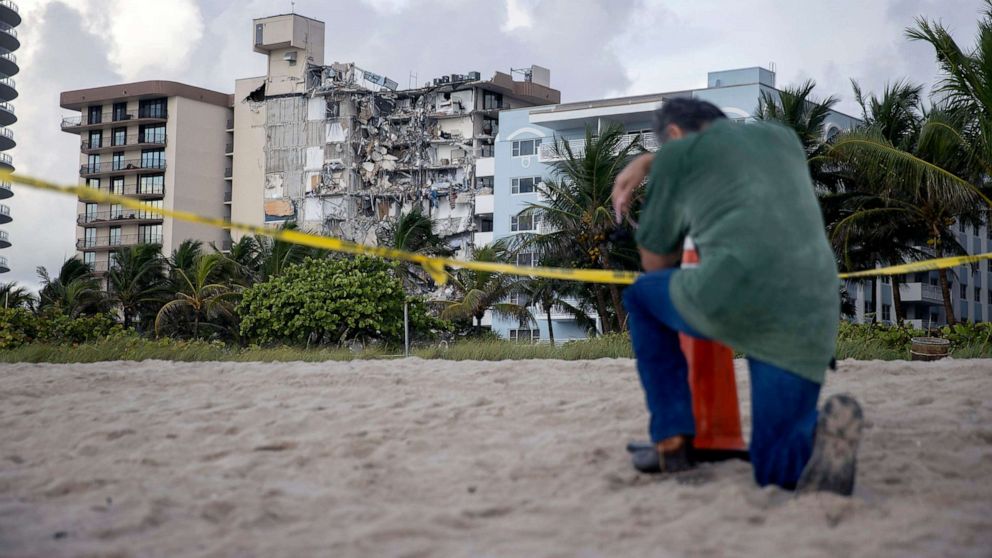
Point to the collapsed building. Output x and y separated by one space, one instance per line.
342 151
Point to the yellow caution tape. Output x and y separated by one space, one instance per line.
434 266
913 267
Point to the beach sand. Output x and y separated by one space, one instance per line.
436 458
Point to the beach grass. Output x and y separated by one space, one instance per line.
134 348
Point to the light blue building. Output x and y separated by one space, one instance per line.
524 151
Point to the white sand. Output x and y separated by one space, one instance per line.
430 458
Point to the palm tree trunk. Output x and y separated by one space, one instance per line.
621 313
897 300
478 325
604 317
945 290
551 331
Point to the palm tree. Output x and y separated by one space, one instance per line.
275 256
137 282
966 85
184 257
577 216
197 299
549 294
413 232
15 296
919 185
480 291
74 292
243 261
797 108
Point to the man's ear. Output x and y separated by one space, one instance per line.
673 132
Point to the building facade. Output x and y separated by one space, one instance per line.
525 152
922 300
9 19
160 142
343 151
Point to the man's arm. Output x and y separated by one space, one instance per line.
627 181
651 261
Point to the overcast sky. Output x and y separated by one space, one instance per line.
595 49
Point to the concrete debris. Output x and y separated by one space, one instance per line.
363 156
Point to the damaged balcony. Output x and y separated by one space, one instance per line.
146 115
115 218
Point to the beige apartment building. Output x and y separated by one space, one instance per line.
161 142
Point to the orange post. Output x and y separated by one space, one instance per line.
714 388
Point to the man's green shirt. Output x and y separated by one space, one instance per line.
767 281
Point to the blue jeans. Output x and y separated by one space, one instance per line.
783 404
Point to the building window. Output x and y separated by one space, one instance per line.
150 234
961 226
978 293
89 213
145 214
964 291
120 112
484 182
93 163
486 223
94 114
89 238
96 139
115 236
89 258
886 313
978 313
988 294
151 134
93 183
118 159
525 148
492 100
153 158
116 211
526 335
112 259
934 318
525 185
520 299
151 184
117 185
886 279
119 136
527 220
528 259
964 310
154 108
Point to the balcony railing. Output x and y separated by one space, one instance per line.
133 139
119 166
8 30
134 190
4 210
4 237
7 107
116 215
230 123
7 133
9 82
5 159
9 56
12 6
113 117
6 186
547 151
229 148
228 173
121 240
3 262
228 196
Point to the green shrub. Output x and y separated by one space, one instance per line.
59 328
968 334
17 327
328 301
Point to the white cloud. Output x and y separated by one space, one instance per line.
517 16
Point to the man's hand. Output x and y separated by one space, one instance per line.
627 181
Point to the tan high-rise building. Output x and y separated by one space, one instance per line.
160 142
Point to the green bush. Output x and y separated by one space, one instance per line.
968 334
59 328
324 301
17 327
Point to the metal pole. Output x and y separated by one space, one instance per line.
406 330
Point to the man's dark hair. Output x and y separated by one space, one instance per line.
689 114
